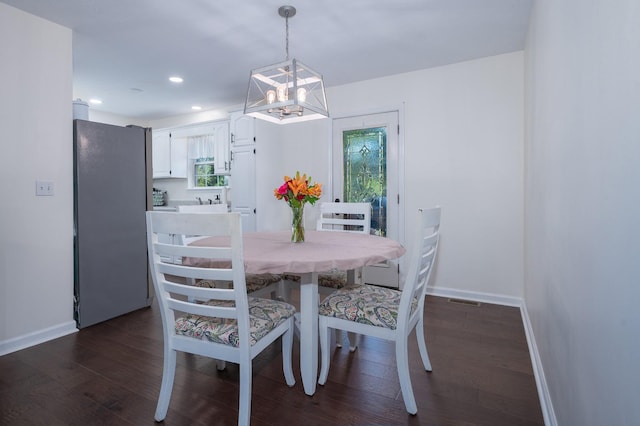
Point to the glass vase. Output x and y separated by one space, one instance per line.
297 224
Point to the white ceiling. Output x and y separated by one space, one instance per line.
125 50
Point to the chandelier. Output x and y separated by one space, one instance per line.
288 91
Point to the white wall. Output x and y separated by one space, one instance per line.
302 147
36 243
582 227
463 135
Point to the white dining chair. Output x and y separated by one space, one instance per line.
346 217
387 313
223 324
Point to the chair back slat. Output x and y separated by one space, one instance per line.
222 274
201 293
351 217
203 208
203 309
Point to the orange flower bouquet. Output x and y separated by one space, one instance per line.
298 191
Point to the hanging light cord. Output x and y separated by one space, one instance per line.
286 20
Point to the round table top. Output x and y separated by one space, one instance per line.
273 252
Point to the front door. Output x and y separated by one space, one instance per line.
365 168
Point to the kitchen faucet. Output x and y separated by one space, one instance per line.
199 200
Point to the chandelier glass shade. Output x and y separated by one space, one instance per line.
288 91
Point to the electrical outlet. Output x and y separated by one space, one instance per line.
44 188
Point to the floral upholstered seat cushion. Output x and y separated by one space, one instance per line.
264 316
333 279
365 304
254 282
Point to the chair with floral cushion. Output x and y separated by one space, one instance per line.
223 324
387 313
345 217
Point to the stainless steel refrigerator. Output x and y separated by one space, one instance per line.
112 191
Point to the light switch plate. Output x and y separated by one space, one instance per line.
44 188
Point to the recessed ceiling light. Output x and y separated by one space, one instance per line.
176 79
95 101
196 108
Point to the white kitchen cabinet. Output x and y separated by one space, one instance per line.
169 155
222 152
243 169
161 153
242 129
178 158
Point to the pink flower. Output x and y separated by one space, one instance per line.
283 189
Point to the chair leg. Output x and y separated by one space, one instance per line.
168 374
422 344
402 362
296 322
354 339
244 409
338 334
287 348
325 350
283 292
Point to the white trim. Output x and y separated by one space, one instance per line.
475 296
37 337
544 396
546 404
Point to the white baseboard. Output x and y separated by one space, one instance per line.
453 293
538 372
37 337
541 382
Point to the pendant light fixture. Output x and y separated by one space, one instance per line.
288 91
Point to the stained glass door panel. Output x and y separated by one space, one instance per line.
365 172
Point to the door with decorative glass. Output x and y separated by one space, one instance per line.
365 168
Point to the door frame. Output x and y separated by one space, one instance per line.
399 108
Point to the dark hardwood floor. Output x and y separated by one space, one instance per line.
109 374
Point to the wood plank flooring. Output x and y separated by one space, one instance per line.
109 374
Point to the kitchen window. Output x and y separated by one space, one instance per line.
204 173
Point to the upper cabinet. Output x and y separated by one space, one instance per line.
222 151
242 129
169 155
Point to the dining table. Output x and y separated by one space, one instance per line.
321 251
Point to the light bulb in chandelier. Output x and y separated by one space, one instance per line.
302 94
271 96
283 93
